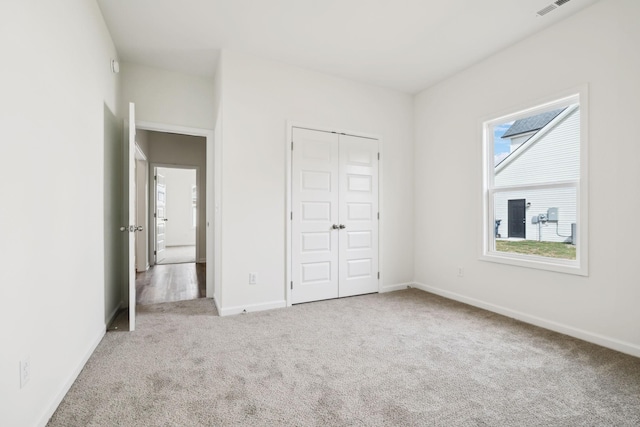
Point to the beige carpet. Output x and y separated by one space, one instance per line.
406 358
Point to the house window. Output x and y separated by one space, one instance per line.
535 186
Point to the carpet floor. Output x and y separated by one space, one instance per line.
404 358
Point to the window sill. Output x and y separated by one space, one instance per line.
540 263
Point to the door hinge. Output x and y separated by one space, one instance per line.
291 145
154 215
378 156
292 284
378 215
378 275
155 253
292 216
155 177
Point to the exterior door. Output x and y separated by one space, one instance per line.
160 215
334 215
314 227
358 269
517 218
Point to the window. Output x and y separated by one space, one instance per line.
535 186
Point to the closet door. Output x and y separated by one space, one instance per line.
314 197
358 172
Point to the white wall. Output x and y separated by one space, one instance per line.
168 97
179 229
55 84
597 46
258 97
184 150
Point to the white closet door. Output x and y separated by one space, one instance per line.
314 197
359 215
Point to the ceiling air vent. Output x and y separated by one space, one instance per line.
561 2
547 9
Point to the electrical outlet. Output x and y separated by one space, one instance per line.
25 371
253 278
460 272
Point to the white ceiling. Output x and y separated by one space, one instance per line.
406 45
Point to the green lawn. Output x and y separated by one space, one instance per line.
532 247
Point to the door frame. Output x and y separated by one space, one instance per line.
213 216
288 208
152 195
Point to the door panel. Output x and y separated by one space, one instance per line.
132 216
358 171
314 196
517 218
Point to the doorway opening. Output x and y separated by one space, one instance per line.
176 215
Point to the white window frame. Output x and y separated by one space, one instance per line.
579 266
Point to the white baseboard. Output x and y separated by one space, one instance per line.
612 343
252 307
396 287
113 315
215 301
67 385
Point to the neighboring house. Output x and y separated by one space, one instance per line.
544 148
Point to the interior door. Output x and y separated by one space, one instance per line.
160 214
358 216
132 228
314 226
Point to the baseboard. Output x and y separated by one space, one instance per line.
397 287
113 315
72 378
612 343
215 301
252 307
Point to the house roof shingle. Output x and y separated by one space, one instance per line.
533 123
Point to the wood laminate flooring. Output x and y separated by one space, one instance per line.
171 282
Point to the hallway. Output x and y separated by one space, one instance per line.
172 282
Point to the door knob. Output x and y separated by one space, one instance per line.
139 228
341 226
335 226
165 219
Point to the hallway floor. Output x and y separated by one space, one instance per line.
172 282
179 254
